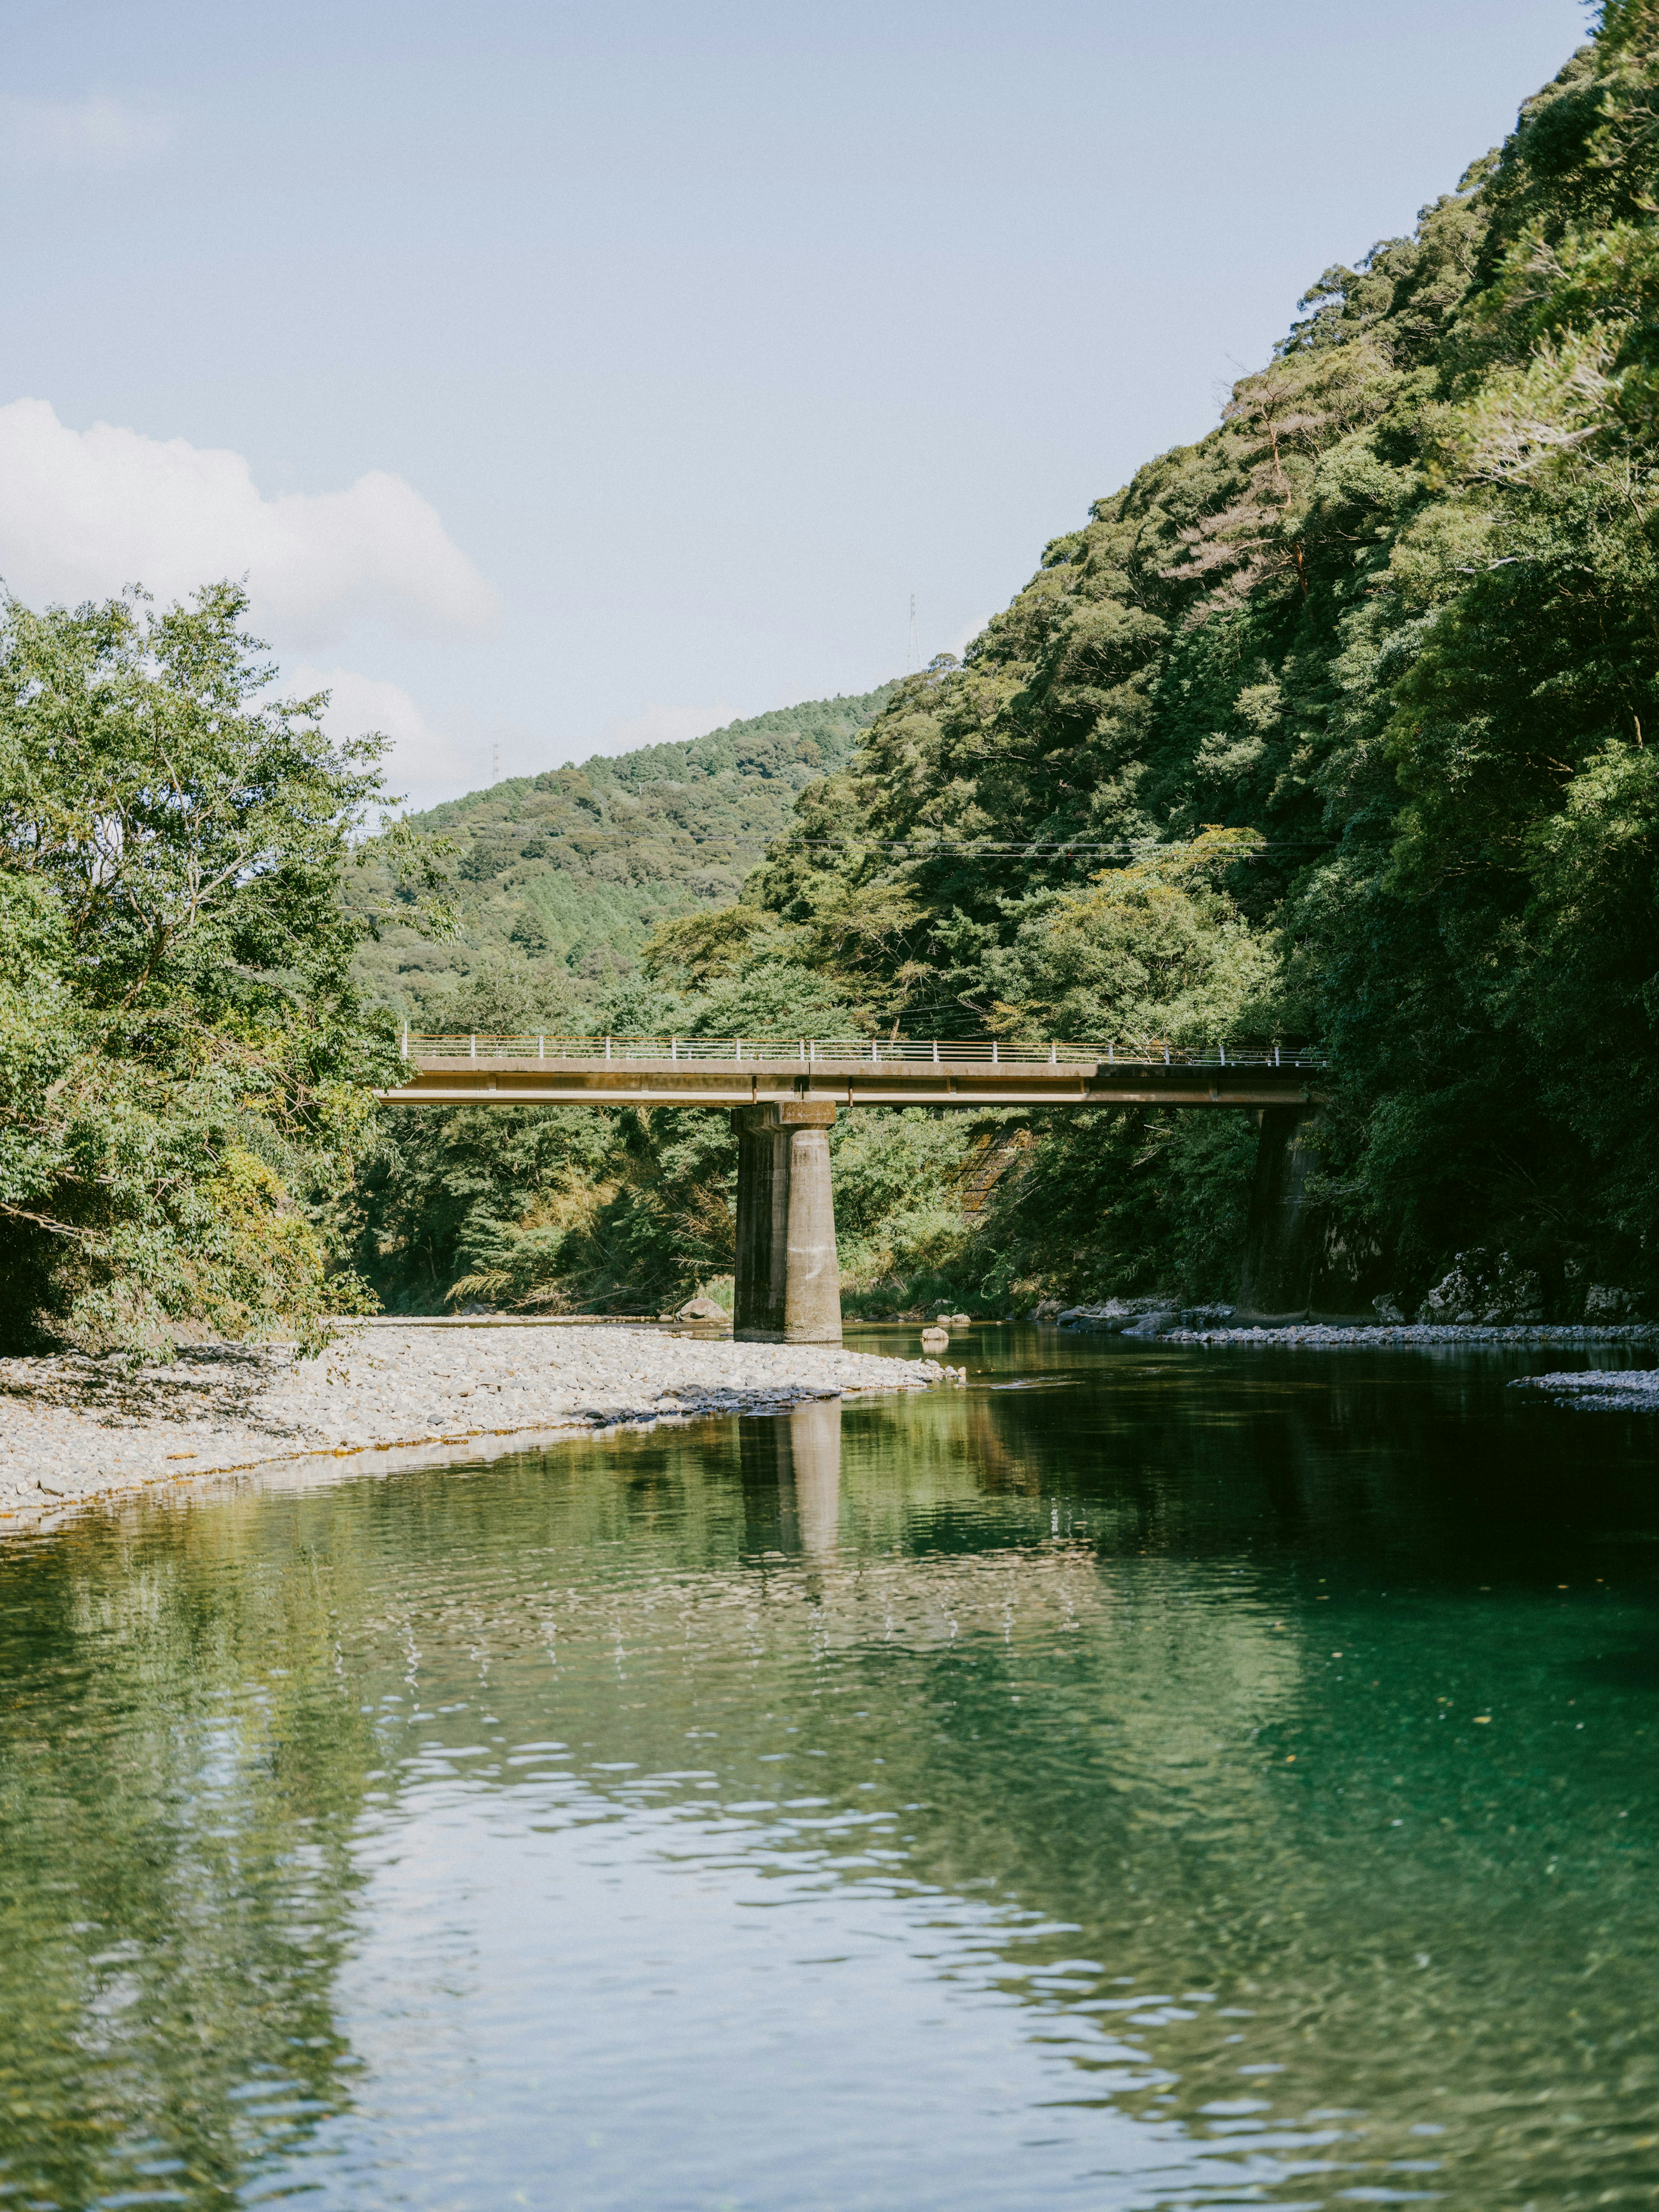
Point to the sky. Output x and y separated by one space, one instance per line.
565 376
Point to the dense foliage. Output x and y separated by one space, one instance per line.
182 1050
576 889
1331 724
564 875
1396 617
568 1207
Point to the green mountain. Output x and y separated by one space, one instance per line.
1332 724
567 873
1390 628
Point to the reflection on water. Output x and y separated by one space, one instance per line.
1202 1780
791 1481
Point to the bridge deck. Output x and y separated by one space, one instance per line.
906 1071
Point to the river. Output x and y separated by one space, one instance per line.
1148 1776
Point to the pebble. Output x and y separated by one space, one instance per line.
73 1427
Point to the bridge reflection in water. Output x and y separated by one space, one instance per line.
785 1093
791 1472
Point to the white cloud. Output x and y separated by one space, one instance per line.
424 764
96 133
82 513
659 725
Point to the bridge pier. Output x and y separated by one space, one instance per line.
1295 1258
788 1275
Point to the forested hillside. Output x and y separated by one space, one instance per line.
566 874
1394 624
1331 726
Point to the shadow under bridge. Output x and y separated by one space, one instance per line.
784 1097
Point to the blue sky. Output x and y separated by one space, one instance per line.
563 376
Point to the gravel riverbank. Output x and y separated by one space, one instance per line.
73 1428
1416 1333
1600 1389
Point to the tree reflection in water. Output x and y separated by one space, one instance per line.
1208 1745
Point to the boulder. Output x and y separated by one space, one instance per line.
1494 1292
701 1310
956 1321
1389 1311
1152 1324
935 1339
1048 1310
1110 1317
1604 1304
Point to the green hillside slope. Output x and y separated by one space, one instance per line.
1392 625
570 870
1332 723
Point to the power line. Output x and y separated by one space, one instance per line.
914 847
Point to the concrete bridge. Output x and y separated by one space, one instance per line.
784 1096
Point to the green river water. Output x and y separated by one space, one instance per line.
1145 1778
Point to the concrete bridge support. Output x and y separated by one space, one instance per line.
1295 1258
1282 1243
788 1277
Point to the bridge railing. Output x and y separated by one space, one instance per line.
868 1052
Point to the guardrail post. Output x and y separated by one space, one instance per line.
1166 1055
607 1047
936 1052
404 1053
1111 1055
1053 1055
541 1047
739 1043
1223 1055
1275 1056
993 1052
472 1044
673 1047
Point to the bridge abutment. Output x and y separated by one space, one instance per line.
1281 1240
1295 1259
788 1275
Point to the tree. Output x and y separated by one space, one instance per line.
185 1061
1393 623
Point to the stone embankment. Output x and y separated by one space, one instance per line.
73 1428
